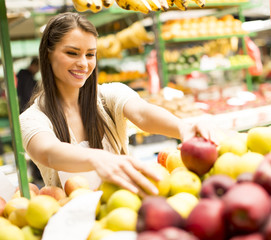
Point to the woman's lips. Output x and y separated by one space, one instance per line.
78 74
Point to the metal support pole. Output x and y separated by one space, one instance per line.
13 106
160 49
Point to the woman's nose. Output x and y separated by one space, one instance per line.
82 62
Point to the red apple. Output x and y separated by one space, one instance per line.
262 175
174 233
2 205
216 186
33 188
247 207
266 229
75 182
198 155
53 191
150 235
155 213
252 236
206 220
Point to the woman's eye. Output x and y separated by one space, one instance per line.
72 53
90 55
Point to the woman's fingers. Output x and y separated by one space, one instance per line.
140 180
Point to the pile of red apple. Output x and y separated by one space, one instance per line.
227 210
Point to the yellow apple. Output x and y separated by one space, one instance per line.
63 201
40 209
227 164
102 211
121 219
163 185
183 203
185 181
236 145
108 189
79 191
10 232
174 160
97 227
4 221
53 191
123 198
31 233
248 163
259 140
99 235
17 217
15 203
75 182
163 154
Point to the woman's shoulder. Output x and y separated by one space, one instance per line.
33 112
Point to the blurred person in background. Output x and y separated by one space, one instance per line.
26 83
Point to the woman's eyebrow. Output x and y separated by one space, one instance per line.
75 48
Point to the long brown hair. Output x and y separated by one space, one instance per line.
49 102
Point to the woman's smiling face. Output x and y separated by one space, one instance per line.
74 58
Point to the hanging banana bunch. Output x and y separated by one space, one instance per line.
181 4
108 3
200 3
135 5
84 5
144 6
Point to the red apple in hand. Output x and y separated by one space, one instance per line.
198 155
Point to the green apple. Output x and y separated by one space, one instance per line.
259 140
31 233
40 209
15 203
183 203
249 162
121 219
123 198
236 145
184 181
10 232
108 189
17 217
226 164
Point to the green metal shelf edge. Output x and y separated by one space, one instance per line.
204 38
188 71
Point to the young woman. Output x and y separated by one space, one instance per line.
75 125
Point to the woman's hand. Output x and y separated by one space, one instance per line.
126 172
206 130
